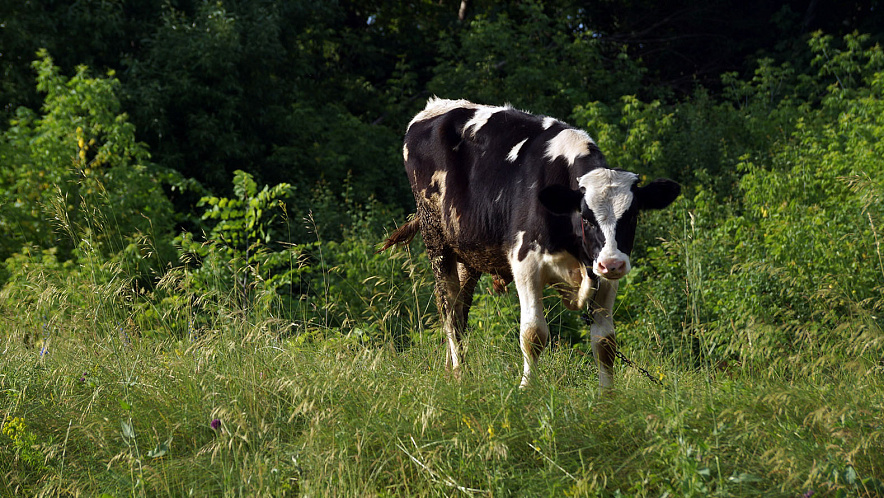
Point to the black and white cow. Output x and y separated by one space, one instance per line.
527 199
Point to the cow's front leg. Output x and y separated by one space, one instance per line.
604 341
533 330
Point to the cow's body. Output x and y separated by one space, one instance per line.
528 199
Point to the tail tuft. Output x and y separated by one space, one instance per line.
401 235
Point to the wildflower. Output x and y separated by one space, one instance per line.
808 494
216 424
13 427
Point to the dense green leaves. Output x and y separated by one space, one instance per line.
795 264
76 170
506 58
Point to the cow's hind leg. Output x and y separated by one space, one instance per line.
468 278
455 283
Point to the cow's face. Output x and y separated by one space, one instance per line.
608 202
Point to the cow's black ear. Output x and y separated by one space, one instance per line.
560 199
658 194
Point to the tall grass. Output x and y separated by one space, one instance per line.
339 419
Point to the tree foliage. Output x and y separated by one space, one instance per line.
77 167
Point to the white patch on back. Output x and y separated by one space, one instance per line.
437 107
480 118
548 121
514 152
570 144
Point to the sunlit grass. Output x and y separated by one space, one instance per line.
338 419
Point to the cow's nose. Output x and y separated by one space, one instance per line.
613 267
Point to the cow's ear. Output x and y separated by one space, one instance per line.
658 194
560 199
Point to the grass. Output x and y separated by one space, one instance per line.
120 418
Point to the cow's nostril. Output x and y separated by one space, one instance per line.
611 266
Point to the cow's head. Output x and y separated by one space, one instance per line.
608 202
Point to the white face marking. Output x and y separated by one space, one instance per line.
405 152
608 192
570 144
608 195
514 152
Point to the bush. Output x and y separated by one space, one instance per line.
792 266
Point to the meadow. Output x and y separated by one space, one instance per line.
240 412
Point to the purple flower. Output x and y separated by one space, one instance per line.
808 494
216 424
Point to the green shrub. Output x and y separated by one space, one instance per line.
791 266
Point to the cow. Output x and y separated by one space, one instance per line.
527 199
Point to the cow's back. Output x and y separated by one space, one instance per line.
476 171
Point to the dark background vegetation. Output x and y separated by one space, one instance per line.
251 149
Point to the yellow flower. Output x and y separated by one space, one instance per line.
13 427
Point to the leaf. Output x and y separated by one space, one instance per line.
744 477
161 449
850 475
128 431
124 405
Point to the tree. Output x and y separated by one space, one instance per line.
77 170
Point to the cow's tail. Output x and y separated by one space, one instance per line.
402 235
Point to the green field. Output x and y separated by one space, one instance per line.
103 414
